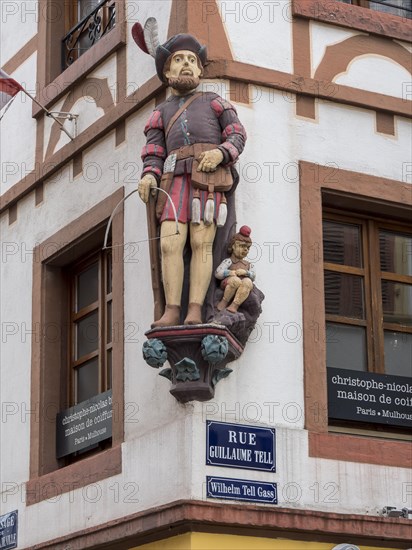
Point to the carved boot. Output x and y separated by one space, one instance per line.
194 314
170 317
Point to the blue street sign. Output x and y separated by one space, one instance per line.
8 530
241 489
240 446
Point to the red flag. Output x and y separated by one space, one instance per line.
8 88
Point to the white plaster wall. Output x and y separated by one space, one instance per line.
260 33
322 36
374 73
18 130
141 66
377 74
21 15
85 108
107 71
164 448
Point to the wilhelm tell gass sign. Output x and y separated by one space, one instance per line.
8 530
241 489
84 425
369 397
240 446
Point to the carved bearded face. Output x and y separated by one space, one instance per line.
184 72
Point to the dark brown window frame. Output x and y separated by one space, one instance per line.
326 186
100 306
52 83
49 476
354 17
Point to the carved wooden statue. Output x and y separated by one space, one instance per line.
193 140
236 273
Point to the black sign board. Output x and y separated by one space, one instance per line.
84 425
369 397
240 446
241 489
8 530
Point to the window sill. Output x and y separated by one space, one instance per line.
354 17
107 45
352 448
75 476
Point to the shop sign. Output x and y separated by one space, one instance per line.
84 425
240 446
369 397
8 530
241 489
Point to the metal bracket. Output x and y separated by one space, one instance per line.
65 116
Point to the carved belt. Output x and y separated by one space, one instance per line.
194 150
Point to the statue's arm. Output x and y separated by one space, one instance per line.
233 133
251 272
154 152
222 271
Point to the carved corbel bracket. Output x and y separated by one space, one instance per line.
197 355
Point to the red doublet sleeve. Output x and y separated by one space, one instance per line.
154 152
233 133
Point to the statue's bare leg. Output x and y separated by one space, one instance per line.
233 283
172 245
241 294
201 266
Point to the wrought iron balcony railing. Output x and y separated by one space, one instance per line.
88 31
401 8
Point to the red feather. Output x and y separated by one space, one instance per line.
138 37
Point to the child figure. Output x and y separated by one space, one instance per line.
236 273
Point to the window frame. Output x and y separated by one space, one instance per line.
373 277
365 194
104 344
52 83
50 476
73 18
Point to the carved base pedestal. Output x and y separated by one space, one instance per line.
197 354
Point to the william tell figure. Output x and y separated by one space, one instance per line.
192 142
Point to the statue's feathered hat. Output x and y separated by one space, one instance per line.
147 38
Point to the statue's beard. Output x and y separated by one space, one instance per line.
184 83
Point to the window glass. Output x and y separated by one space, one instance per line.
87 380
87 286
397 303
341 243
86 6
345 347
398 353
87 335
395 252
109 272
395 7
109 368
344 295
109 322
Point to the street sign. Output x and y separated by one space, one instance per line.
241 489
8 530
240 446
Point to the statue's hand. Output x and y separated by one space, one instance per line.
209 160
145 184
241 272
